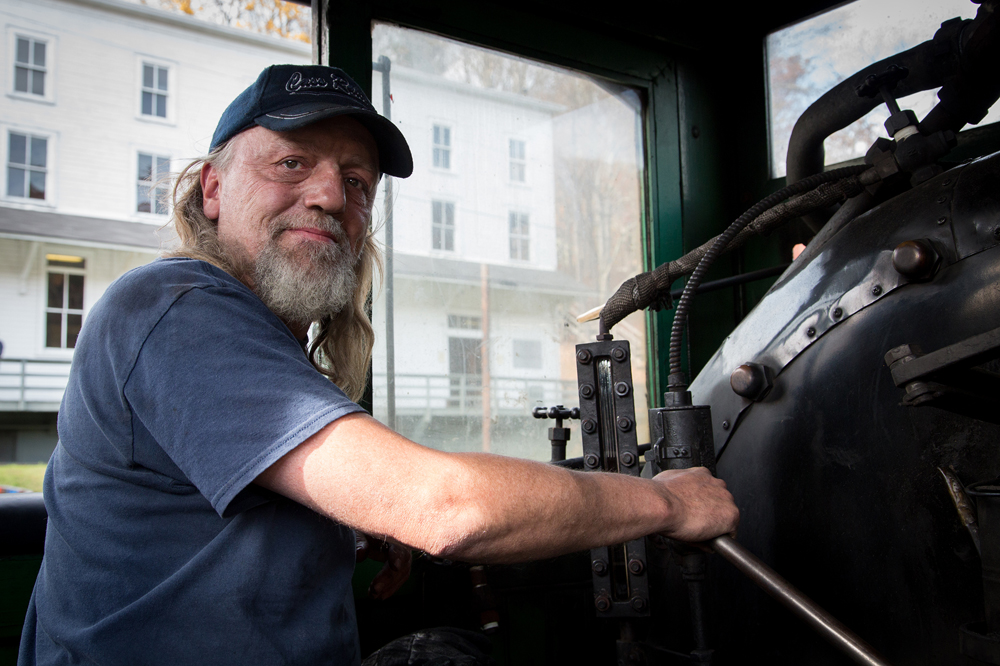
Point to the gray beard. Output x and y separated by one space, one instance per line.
304 292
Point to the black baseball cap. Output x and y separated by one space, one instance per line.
286 97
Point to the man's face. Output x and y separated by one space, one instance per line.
294 207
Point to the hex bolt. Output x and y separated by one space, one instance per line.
599 567
603 603
725 425
915 259
628 459
621 389
638 604
583 356
619 354
877 290
635 566
811 332
589 426
751 380
587 391
901 353
838 313
590 460
624 423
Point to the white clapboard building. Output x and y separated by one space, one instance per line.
104 97
101 98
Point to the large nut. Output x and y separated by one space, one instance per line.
915 259
751 381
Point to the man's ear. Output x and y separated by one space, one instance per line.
210 187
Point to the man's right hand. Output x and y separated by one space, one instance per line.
700 505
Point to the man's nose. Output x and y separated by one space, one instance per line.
325 191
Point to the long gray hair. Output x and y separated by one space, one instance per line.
341 345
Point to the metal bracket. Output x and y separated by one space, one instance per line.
607 419
947 378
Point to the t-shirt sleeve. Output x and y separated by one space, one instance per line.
226 390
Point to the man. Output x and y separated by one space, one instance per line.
209 476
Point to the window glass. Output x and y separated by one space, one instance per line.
56 281
153 184
443 225
468 343
29 66
517 161
527 354
442 147
154 90
26 165
808 58
64 303
520 237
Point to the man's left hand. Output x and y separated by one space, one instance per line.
397 564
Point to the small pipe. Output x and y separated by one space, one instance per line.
771 582
577 463
742 278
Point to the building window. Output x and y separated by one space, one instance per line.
465 373
527 354
64 309
443 225
520 237
465 322
152 184
442 147
29 66
154 90
27 161
517 161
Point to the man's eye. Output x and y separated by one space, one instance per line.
291 164
355 182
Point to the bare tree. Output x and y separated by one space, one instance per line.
271 17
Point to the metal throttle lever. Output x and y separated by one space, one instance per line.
682 436
774 584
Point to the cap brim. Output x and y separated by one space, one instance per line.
394 155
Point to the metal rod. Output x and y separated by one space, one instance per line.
742 278
964 507
577 463
771 582
384 65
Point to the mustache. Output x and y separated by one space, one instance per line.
325 223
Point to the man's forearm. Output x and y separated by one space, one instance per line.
486 508
503 509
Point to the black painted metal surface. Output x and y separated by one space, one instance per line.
837 480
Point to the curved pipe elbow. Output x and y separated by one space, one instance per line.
929 67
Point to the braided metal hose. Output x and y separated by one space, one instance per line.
652 288
677 380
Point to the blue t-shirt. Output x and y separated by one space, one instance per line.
159 549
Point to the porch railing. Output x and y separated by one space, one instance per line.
32 385
38 385
462 394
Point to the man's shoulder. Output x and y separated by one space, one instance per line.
144 294
175 272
